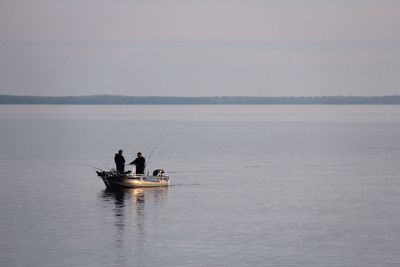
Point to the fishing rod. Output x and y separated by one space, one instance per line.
96 168
154 149
93 167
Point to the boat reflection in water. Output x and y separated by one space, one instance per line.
128 217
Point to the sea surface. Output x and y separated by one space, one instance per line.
251 186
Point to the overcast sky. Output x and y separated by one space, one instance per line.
200 48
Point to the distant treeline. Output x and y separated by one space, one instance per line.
175 100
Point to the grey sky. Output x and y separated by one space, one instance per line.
196 48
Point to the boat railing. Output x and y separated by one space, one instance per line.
143 177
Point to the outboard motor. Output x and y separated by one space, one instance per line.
158 172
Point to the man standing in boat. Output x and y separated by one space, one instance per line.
139 162
119 162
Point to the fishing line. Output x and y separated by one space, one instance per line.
154 149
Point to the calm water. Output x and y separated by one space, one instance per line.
252 186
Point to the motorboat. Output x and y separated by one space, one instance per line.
113 178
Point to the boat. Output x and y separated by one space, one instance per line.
112 178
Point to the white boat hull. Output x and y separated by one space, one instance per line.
112 179
142 181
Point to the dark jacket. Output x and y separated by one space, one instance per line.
119 162
139 162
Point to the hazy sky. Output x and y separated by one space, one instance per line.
200 48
